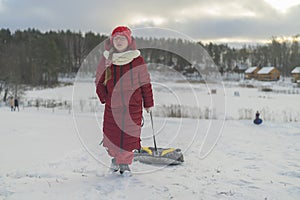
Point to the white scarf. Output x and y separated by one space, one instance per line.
123 58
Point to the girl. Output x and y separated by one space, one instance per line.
123 85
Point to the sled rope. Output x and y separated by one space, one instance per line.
155 147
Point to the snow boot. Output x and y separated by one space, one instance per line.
114 166
124 168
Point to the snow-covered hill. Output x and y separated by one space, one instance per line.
54 153
42 158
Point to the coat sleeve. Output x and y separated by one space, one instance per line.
145 84
100 78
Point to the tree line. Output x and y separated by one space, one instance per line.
36 58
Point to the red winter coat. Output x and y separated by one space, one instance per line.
125 95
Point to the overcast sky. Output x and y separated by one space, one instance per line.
205 20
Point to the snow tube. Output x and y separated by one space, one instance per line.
257 121
163 156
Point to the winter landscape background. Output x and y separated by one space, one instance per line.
53 152
197 53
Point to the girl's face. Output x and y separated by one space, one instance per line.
120 43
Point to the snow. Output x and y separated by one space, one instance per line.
54 154
265 70
296 70
250 70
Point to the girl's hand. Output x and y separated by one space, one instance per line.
148 110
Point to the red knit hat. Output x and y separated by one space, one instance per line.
121 30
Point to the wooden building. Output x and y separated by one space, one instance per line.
268 74
296 74
251 73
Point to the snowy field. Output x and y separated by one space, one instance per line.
49 153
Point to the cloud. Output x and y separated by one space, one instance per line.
200 19
282 6
238 20
1 6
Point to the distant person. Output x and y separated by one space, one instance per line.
11 103
37 104
16 104
257 120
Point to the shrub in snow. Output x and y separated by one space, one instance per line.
183 111
266 90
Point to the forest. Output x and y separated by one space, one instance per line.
34 58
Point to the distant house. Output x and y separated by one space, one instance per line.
296 74
251 73
240 69
268 74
